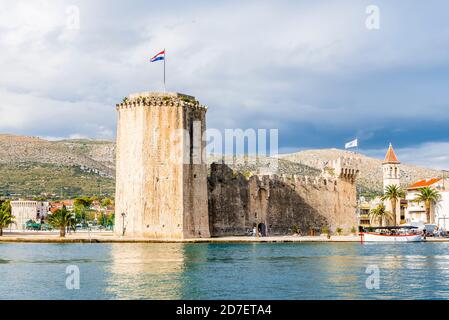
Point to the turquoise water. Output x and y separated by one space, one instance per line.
225 271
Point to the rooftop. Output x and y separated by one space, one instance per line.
424 183
390 157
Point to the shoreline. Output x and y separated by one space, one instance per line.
103 237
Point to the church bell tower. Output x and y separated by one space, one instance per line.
390 167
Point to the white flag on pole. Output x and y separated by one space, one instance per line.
352 144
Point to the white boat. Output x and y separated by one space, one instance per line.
392 234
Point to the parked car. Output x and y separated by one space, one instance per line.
33 226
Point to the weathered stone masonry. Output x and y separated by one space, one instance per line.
163 190
283 204
160 188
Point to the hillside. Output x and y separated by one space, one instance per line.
370 178
267 165
31 166
87 154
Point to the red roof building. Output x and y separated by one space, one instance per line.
424 183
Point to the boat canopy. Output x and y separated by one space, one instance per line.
393 227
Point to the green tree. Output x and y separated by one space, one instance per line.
85 202
106 202
381 214
393 193
62 218
429 196
6 217
82 205
110 220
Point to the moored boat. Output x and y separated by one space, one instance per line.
391 234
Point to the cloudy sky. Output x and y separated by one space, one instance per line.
311 69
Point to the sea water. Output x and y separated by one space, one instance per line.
225 271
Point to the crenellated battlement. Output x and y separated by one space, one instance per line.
264 179
346 168
154 99
343 168
296 180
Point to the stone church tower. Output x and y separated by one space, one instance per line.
390 167
161 178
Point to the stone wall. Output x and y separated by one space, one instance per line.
283 204
162 189
195 215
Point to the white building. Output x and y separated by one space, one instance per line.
442 211
439 212
24 211
408 210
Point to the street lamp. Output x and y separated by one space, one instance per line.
123 224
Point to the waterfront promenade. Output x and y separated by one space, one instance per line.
109 237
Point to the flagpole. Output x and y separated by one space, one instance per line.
165 58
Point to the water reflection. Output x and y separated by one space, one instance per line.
146 271
225 271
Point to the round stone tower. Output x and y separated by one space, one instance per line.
161 178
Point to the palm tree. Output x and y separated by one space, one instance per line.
62 218
428 196
381 213
6 217
393 193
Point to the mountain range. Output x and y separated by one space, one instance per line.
34 167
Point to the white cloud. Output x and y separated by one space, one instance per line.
27 114
256 64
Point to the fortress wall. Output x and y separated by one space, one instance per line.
228 202
336 202
163 189
283 204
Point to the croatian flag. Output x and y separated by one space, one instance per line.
159 56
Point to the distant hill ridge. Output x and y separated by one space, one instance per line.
89 154
30 166
370 178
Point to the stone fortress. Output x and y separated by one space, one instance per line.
163 190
